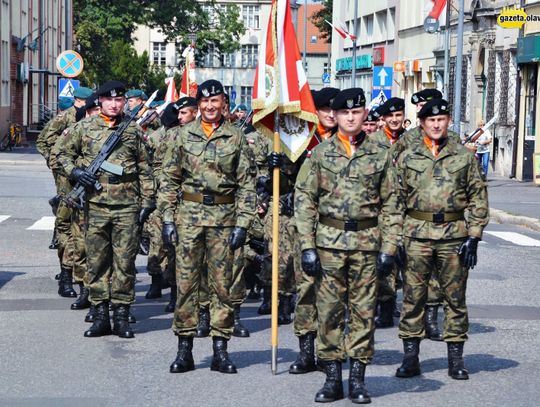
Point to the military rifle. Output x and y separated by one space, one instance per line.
479 131
75 199
146 120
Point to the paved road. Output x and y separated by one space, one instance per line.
47 362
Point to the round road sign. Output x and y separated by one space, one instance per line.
69 64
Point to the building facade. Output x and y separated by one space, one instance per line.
32 34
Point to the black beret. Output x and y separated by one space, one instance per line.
209 88
425 95
349 99
434 107
169 117
372 116
111 88
325 97
91 101
391 105
185 102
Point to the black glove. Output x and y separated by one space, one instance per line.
144 214
385 264
169 234
401 257
468 252
274 160
84 177
263 185
311 264
238 237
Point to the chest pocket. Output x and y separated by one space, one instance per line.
456 170
192 157
226 155
331 172
366 173
417 170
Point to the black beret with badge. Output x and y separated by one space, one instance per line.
324 97
349 99
425 95
111 89
434 107
185 102
169 117
391 105
372 116
209 88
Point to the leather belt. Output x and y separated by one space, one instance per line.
118 179
349 225
208 199
440 217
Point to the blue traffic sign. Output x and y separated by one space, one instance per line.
379 96
69 64
382 77
233 95
326 77
66 87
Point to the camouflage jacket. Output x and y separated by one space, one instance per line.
220 165
51 133
380 138
157 143
412 136
260 146
451 182
84 141
331 184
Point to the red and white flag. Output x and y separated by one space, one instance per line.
189 85
281 86
342 30
172 94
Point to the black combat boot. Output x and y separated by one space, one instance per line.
82 302
396 312
155 288
220 360
333 386
266 306
284 310
357 388
305 361
456 366
54 241
91 315
239 330
184 358
144 246
131 318
121 326
172 301
411 365
385 319
431 324
65 284
203 329
254 294
102 323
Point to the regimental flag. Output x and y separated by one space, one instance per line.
281 85
172 94
436 8
189 84
342 30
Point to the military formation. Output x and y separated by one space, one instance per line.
368 209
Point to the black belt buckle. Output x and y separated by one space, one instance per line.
114 180
208 200
351 226
438 218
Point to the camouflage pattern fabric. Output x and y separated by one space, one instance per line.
78 227
305 311
52 132
62 222
410 137
424 256
260 146
238 284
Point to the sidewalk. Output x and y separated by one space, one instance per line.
22 156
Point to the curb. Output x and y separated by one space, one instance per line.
22 162
503 217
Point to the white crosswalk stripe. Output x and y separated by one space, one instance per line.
4 217
45 223
515 238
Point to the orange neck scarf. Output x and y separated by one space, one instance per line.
351 143
109 121
209 128
433 146
323 132
392 137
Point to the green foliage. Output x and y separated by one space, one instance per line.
318 18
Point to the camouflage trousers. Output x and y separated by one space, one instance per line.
423 257
348 282
78 227
62 223
112 242
387 289
158 263
287 236
305 312
195 244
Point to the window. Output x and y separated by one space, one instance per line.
211 12
391 24
250 54
366 36
250 16
245 96
229 60
380 29
229 91
326 67
210 58
4 69
158 53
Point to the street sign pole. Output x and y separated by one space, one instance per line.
353 71
447 49
459 67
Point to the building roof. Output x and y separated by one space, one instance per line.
318 47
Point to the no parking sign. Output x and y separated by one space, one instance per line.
69 64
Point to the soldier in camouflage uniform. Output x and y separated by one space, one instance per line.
436 181
45 142
340 213
134 98
114 212
370 124
210 168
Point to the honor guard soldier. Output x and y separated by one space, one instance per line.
135 98
370 123
340 212
210 170
114 211
437 180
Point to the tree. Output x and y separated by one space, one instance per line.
318 18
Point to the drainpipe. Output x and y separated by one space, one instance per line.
517 109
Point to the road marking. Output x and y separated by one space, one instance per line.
4 217
45 223
516 238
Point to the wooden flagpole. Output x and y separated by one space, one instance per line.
275 246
